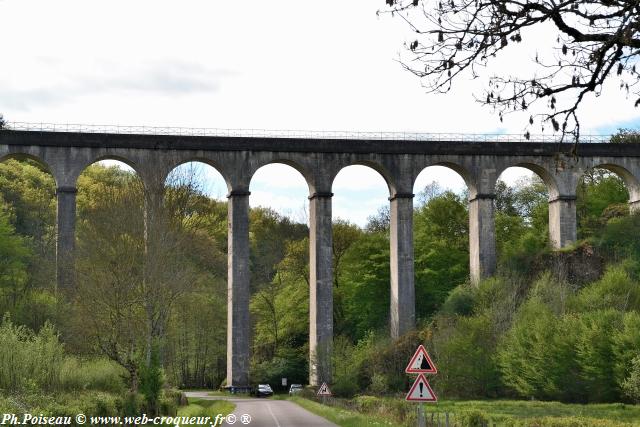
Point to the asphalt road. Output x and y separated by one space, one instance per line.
268 413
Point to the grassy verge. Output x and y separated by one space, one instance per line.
534 409
369 410
341 417
206 408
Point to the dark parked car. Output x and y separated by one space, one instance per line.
264 390
295 388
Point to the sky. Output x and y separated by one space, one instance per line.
302 65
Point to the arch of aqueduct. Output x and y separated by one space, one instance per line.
67 154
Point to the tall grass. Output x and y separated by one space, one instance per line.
32 361
29 360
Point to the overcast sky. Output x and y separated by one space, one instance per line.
251 64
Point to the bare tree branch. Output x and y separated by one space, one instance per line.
596 40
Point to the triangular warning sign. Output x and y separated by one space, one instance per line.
324 390
421 391
421 363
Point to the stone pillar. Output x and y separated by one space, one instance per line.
403 295
482 238
238 323
562 221
634 207
321 291
65 237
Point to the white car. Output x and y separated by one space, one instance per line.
295 388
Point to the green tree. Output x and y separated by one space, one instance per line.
441 246
598 190
536 356
364 290
29 194
464 349
15 256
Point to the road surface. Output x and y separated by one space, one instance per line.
268 412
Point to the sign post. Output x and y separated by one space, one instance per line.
421 391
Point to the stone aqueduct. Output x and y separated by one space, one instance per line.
67 154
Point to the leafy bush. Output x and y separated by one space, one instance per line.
460 349
594 353
615 290
460 301
631 385
626 345
536 356
618 239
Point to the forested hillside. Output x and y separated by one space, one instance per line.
551 325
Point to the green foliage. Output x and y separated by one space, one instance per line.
625 342
594 353
151 380
521 223
536 355
614 290
364 285
289 363
29 361
92 374
598 190
347 364
441 247
269 233
626 136
15 255
618 241
631 384
36 361
461 301
463 348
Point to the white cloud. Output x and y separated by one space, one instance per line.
358 178
279 176
445 177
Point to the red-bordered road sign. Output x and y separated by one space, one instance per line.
421 391
324 390
421 363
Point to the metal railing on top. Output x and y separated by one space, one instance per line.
303 134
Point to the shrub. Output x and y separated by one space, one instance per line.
615 289
536 356
626 342
631 385
619 238
468 343
594 353
460 301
